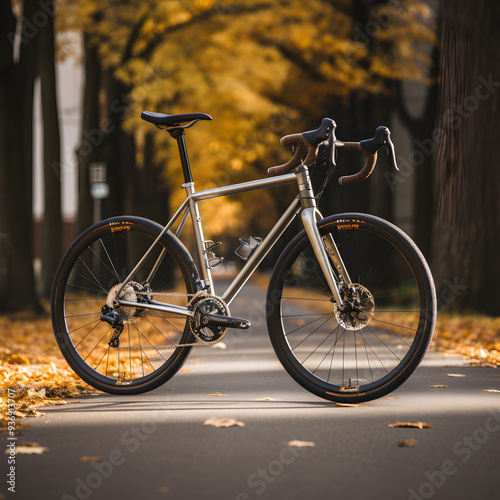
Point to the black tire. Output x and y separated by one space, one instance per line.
97 261
318 346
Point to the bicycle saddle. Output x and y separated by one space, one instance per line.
170 120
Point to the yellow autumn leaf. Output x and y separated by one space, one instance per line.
407 443
296 443
92 459
417 425
223 422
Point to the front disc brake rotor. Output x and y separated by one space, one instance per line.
359 310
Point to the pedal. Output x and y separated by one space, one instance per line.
227 321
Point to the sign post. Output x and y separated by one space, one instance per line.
99 188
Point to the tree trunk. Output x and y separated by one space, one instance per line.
7 25
119 164
382 196
92 137
151 193
17 161
52 221
467 224
422 157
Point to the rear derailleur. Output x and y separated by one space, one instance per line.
116 317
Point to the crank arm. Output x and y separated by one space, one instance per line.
227 321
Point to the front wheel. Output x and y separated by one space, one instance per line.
370 348
144 348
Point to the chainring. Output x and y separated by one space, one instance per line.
202 304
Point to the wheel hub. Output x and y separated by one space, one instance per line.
357 309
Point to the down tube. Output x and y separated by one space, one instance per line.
259 255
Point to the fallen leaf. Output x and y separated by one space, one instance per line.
218 394
491 390
18 359
438 386
346 404
407 443
418 425
34 413
223 422
92 459
220 345
456 375
301 444
184 370
390 398
162 489
29 448
265 399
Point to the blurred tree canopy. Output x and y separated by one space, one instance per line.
261 69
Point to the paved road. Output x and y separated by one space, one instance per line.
156 446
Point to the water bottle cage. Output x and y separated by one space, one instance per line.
247 247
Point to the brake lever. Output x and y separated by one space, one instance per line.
326 148
382 138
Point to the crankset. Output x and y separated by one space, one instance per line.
211 318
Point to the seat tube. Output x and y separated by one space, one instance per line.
198 237
308 216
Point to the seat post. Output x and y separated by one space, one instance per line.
178 134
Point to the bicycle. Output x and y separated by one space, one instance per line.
351 304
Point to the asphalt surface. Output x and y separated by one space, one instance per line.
155 445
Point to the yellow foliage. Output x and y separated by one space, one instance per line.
32 366
261 69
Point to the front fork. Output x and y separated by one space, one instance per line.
324 248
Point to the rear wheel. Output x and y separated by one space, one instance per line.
141 351
372 346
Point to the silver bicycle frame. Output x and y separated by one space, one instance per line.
304 203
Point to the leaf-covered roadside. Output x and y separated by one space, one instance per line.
32 365
477 337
